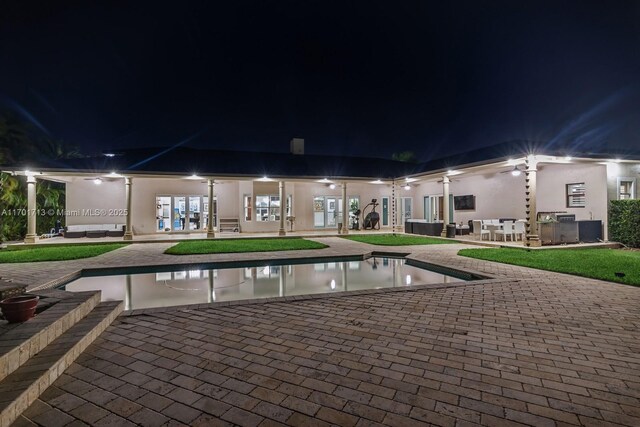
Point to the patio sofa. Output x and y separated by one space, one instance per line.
94 230
421 226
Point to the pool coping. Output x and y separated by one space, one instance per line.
319 296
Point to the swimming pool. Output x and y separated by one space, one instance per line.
185 286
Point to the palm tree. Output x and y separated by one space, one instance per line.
20 141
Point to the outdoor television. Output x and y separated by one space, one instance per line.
464 203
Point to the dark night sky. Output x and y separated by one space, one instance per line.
355 78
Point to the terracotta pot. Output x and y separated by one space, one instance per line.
19 309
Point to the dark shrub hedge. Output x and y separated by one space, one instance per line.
624 222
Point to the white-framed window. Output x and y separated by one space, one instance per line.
626 188
267 208
248 207
576 196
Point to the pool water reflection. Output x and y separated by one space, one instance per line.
182 287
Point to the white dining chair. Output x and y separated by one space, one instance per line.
480 231
507 230
519 229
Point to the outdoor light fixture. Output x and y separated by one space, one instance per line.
407 187
516 171
332 186
333 283
377 181
109 154
97 181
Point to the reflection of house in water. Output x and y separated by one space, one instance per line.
186 287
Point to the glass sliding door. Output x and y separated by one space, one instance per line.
406 208
163 213
205 212
332 212
179 219
195 214
318 212
327 211
354 205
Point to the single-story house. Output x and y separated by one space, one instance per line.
168 190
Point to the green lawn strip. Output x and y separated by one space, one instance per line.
241 245
398 240
600 264
56 253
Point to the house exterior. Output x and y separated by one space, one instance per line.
168 191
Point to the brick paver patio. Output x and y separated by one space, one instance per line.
532 348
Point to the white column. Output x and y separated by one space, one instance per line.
531 227
445 205
31 236
128 232
211 185
283 208
345 209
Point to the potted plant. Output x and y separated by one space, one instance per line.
19 309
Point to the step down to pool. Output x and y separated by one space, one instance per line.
23 386
20 341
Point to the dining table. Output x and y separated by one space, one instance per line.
492 229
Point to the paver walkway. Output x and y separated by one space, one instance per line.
536 348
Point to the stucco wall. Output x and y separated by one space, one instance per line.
501 195
621 170
82 195
497 196
552 181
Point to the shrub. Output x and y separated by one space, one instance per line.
624 222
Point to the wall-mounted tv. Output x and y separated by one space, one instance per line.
464 203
